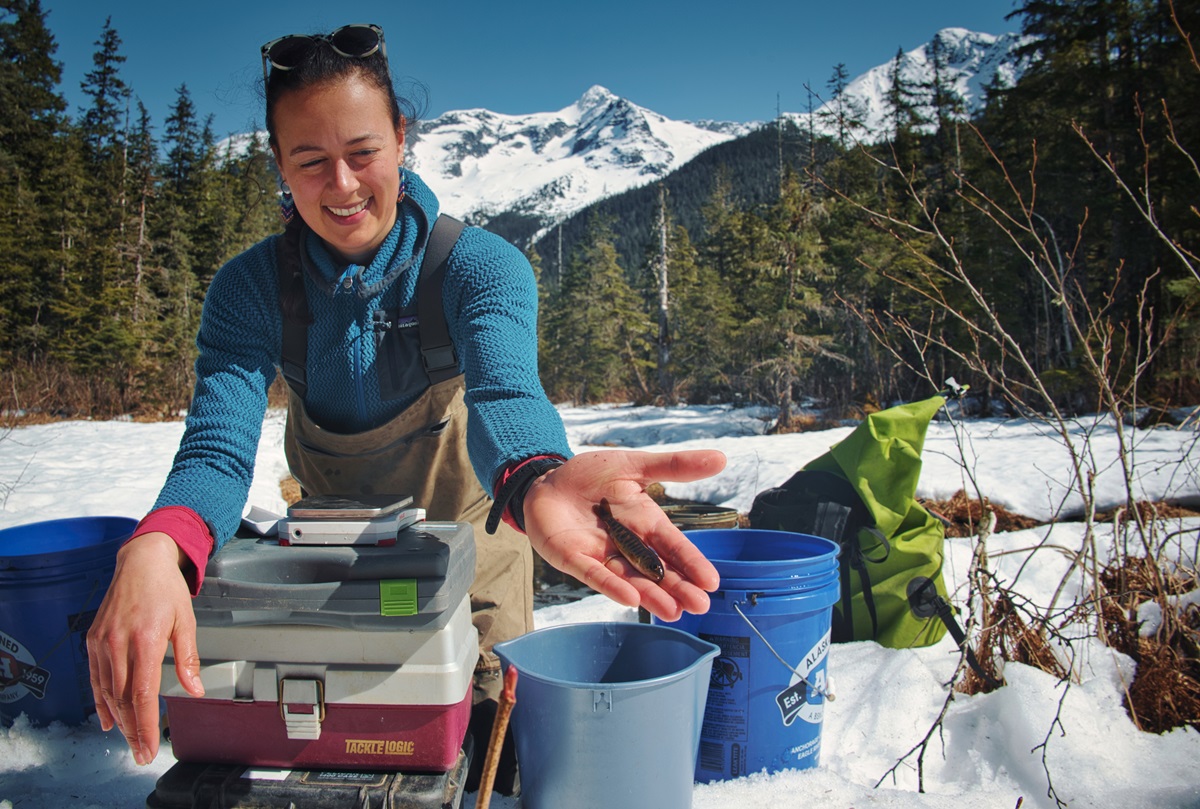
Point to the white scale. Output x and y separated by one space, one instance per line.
340 520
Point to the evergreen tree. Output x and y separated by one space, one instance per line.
185 146
102 123
30 106
693 314
99 311
175 240
843 114
948 113
30 122
142 182
702 325
903 104
597 331
790 325
256 194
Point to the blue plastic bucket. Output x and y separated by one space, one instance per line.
777 595
608 714
53 576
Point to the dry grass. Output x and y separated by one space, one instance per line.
806 423
1147 512
961 515
289 488
1007 637
1165 692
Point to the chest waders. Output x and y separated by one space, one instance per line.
421 452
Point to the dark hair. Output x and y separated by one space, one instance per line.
324 64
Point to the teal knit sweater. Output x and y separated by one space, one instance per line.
490 299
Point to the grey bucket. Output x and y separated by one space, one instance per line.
608 714
689 517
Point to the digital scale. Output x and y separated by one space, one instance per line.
337 520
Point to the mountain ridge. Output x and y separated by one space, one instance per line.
540 168
545 167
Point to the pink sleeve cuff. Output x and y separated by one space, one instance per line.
190 533
504 476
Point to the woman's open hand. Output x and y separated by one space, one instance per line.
566 532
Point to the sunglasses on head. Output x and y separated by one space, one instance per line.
355 41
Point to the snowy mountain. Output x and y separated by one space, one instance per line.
549 165
552 164
971 62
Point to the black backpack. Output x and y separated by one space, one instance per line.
898 579
825 505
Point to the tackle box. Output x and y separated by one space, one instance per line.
353 657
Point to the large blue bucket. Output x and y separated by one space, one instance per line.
53 576
772 619
608 714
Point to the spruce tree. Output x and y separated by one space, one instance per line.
102 122
702 322
99 310
31 120
903 104
142 184
175 247
843 115
597 331
792 324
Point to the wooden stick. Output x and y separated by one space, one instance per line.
508 698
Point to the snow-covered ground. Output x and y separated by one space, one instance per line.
995 750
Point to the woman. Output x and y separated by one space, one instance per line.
360 226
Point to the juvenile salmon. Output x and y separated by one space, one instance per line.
631 546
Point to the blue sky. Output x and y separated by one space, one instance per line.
686 59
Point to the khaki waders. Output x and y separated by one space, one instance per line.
423 453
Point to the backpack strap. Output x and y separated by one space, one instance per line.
293 306
925 602
437 349
857 560
825 505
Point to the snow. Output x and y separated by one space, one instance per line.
551 164
971 62
554 163
1033 740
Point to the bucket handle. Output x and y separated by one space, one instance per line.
826 694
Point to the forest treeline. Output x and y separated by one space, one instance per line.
1043 249
1037 245
109 233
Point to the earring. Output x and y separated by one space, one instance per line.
403 186
287 206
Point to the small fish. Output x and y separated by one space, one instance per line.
631 546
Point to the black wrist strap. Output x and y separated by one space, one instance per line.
512 493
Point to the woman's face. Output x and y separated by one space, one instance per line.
338 150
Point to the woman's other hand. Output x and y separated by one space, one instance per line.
147 605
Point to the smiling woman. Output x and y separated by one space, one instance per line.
409 344
338 152
336 129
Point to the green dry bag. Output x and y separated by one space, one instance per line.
861 494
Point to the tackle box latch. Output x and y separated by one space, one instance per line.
302 706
